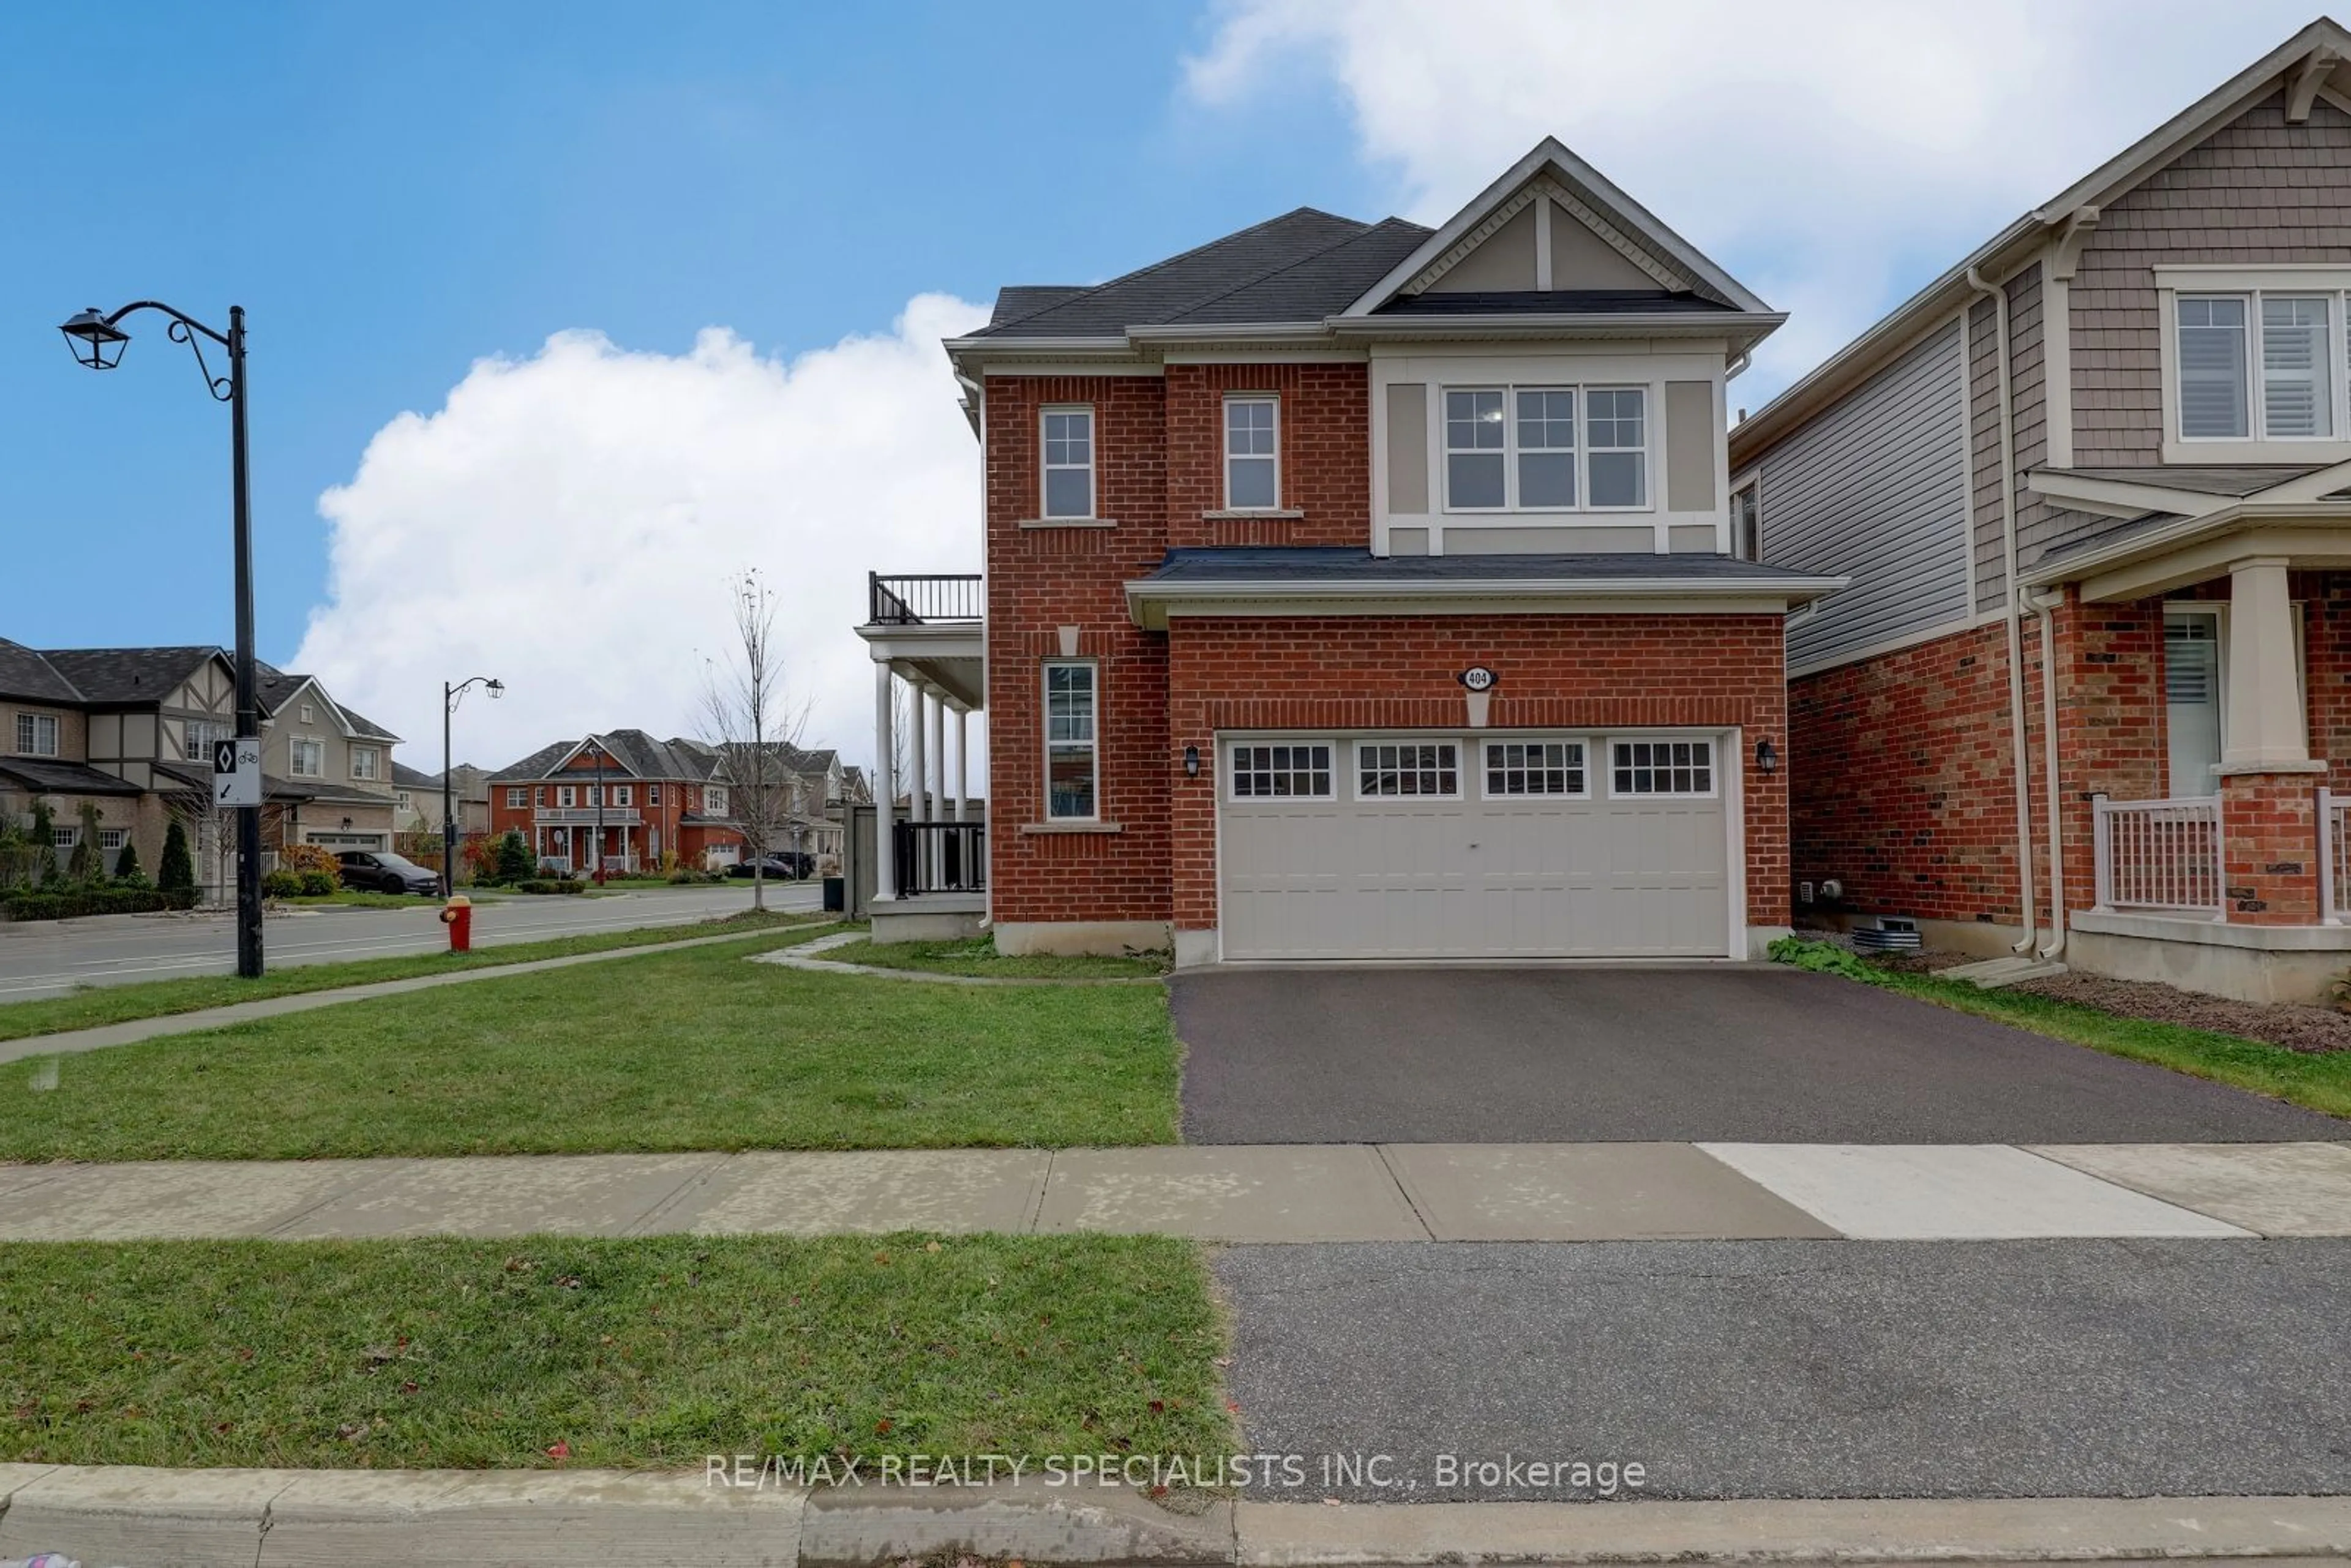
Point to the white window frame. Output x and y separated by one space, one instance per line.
373 771
713 800
1511 450
653 794
619 795
2253 284
199 736
567 795
65 838
518 797
1093 743
1356 768
1225 416
29 731
1584 745
1332 769
1047 469
306 713
1717 759
111 840
294 751
1747 484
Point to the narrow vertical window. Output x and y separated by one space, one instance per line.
2297 391
1069 463
1546 448
1474 438
1747 523
1252 454
1071 751
1616 426
2213 397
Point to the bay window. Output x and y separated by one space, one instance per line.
1546 449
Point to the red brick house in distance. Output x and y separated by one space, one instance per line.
660 799
1358 591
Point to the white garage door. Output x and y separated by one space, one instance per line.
1489 846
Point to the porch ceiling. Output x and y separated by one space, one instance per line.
952 659
2314 536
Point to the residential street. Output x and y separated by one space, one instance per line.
47 958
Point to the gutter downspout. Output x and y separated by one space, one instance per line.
2043 605
2021 755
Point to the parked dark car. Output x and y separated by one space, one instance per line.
783 865
380 870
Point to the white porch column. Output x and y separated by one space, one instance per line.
963 759
885 785
939 757
918 805
2262 725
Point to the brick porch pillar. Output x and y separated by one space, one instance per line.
2269 831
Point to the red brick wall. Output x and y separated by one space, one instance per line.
1325 428
1039 581
1557 671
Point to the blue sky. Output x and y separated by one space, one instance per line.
412 202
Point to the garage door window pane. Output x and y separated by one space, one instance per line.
1431 767
1664 767
1070 740
1534 767
1291 770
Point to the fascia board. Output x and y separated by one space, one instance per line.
2188 531
1751 325
2125 498
1151 602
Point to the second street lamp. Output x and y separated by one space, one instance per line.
97 340
450 698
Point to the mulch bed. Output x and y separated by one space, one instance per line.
2288 1024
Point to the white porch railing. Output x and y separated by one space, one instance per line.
2334 846
2159 854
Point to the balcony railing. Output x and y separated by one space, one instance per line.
2159 855
923 601
586 817
2334 857
938 857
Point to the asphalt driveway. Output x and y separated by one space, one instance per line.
1730 1054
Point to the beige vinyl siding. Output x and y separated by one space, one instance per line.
1408 449
1876 488
2256 191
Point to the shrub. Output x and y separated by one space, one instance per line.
71 903
316 884
176 871
305 859
1824 958
86 864
551 884
481 858
126 868
281 883
513 861
43 842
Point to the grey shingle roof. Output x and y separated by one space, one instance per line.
111 676
1563 302
1324 563
275 685
62 778
24 673
1014 301
633 749
1282 269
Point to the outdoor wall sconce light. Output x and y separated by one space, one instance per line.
1767 757
1191 762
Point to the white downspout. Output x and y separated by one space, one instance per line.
2044 606
2019 747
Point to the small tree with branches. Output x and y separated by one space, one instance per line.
753 721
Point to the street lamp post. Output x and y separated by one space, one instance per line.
598 754
97 340
450 698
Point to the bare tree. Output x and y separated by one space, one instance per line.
752 720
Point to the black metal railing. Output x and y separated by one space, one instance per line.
921 600
938 857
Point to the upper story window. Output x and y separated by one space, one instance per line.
653 794
566 795
1069 463
203 735
37 734
1072 762
367 762
308 714
1747 521
308 757
1546 449
2260 365
515 795
1252 454
713 801
624 794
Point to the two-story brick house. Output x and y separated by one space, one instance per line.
654 801
1359 591
2093 487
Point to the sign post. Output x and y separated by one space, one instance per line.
236 773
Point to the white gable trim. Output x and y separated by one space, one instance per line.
1486 230
1598 223
1565 169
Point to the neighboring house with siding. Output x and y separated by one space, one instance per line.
1354 589
131 731
2111 446
416 807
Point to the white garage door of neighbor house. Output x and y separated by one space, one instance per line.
1487 845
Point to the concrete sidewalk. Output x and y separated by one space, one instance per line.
277 1519
135 1030
1283 1192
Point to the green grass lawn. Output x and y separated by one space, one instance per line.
694 1050
157 999
2320 1081
977 956
653 1352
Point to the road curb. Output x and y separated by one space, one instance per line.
291 1519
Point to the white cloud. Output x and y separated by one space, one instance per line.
569 523
1834 155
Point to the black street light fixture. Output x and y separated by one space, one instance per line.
97 340
450 698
